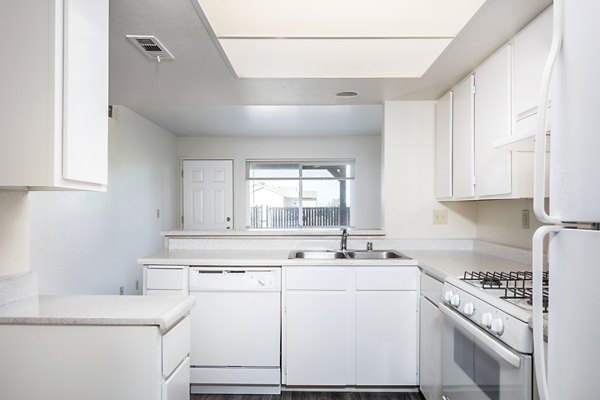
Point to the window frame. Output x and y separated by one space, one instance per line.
300 178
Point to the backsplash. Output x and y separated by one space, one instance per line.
17 287
14 232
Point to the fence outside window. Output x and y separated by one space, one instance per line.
287 217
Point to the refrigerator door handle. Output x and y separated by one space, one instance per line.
537 265
539 170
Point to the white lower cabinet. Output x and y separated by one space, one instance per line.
317 338
386 350
350 326
166 280
430 342
177 386
95 362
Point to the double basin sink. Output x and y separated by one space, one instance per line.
347 254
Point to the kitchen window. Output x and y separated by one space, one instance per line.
274 188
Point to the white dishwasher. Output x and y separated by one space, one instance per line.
236 330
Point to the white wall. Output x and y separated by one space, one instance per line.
409 200
499 221
88 243
14 232
365 149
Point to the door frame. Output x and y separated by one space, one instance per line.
181 194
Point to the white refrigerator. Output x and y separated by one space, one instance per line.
573 360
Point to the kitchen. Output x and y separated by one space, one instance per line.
87 243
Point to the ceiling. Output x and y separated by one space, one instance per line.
267 120
200 78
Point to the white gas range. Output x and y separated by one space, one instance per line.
488 344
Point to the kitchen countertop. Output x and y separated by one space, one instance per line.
161 311
438 264
441 264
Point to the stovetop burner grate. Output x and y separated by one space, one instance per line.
516 284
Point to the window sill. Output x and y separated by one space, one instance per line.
274 233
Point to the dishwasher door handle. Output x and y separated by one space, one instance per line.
222 271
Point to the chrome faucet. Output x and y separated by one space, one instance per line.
344 244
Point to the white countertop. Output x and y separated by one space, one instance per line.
161 311
438 264
441 264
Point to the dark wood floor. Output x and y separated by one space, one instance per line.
312 396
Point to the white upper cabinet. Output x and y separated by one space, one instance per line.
530 49
463 174
443 147
54 96
493 122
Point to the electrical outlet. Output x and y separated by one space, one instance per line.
440 217
121 290
158 213
525 219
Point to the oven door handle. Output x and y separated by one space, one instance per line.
506 354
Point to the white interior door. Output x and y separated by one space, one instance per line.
207 194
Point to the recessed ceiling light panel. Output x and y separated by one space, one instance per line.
334 38
338 18
332 58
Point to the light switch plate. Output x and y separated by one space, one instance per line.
440 217
525 219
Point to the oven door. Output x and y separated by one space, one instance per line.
477 366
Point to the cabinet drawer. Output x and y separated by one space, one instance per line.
318 278
175 346
386 278
431 288
165 279
177 386
155 292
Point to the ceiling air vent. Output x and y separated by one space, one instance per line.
151 47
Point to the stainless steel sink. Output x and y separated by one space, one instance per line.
350 254
318 254
376 255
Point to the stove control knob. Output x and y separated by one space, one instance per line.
486 319
469 309
498 326
455 301
448 296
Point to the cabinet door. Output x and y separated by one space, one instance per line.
430 350
317 335
463 175
531 48
493 122
85 102
443 147
386 338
